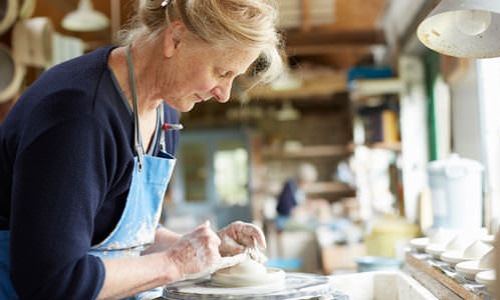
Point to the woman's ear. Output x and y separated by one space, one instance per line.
173 36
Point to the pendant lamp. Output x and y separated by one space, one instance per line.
85 18
463 28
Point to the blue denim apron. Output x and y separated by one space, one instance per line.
137 226
7 291
139 221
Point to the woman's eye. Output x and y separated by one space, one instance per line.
225 75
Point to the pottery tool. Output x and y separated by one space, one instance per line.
168 126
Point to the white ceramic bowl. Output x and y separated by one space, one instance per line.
453 257
442 236
476 250
419 244
435 250
488 239
473 252
488 279
470 268
460 242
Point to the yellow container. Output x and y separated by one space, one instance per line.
388 234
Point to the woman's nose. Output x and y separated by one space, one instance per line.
222 92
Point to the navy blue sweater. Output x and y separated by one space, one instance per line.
66 160
286 199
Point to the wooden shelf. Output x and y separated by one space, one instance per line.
372 87
328 187
394 146
309 151
437 281
319 86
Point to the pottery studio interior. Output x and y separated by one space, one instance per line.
371 164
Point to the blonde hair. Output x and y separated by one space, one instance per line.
221 23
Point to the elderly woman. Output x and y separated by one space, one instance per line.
85 156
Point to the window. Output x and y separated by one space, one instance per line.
489 94
231 172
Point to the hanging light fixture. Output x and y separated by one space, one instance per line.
463 28
85 18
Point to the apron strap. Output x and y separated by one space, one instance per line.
137 133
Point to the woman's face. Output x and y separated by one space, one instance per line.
200 72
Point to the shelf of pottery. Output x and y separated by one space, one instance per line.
28 43
454 264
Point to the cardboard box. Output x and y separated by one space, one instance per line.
341 257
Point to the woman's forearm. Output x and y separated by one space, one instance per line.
129 276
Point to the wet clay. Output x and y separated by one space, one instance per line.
248 273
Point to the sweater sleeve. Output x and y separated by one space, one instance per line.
60 179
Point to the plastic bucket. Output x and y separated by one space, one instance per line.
457 193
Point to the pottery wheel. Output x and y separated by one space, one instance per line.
296 286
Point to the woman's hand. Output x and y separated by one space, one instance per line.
195 252
238 236
164 238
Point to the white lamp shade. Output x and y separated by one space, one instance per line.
463 28
85 18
